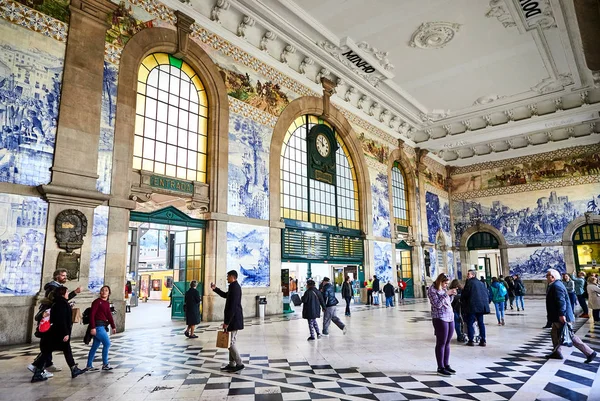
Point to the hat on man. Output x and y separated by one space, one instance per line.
326 279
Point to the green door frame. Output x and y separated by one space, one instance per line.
409 291
174 217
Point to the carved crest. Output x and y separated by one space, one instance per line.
70 227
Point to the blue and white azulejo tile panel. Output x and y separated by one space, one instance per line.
381 205
22 236
438 216
98 259
248 191
248 254
532 263
107 127
31 67
382 256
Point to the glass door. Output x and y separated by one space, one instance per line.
188 259
404 272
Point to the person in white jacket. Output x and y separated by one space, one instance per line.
594 298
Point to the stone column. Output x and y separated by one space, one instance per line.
215 267
74 176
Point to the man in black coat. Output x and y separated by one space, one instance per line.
330 314
475 303
233 319
376 290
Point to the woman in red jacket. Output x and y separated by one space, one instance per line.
100 318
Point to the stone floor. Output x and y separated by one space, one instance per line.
386 355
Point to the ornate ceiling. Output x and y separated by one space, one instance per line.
470 81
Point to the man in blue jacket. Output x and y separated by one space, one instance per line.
330 308
558 308
476 303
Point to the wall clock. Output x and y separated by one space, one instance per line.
322 146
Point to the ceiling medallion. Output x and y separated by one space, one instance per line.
433 35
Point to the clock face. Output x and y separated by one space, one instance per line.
322 144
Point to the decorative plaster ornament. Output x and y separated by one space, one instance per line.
351 90
393 121
498 10
220 6
246 22
373 108
548 85
384 114
267 37
435 115
289 49
339 82
361 102
305 63
360 68
434 35
487 99
596 78
324 73
379 55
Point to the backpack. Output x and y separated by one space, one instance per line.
43 322
502 291
85 317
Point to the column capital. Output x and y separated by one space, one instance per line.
97 10
184 28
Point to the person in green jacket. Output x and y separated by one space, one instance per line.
579 281
498 297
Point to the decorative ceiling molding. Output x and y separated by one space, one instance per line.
487 99
529 14
499 11
346 56
548 85
433 35
435 115
379 55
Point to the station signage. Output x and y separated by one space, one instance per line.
358 61
530 8
171 184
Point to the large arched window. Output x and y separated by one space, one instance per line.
171 119
310 200
399 197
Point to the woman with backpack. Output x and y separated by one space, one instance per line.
100 319
58 338
498 297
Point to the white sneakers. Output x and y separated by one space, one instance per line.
45 374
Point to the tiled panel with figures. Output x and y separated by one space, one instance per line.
438 216
107 127
98 259
31 67
248 187
532 263
22 236
248 254
530 218
381 204
382 255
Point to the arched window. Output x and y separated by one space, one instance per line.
306 199
399 197
171 119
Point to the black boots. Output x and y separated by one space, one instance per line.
38 376
75 371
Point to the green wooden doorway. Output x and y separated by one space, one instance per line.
187 249
404 268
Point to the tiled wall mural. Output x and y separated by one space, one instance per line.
532 263
248 254
450 264
382 257
433 267
107 127
438 216
381 204
248 187
373 149
98 259
530 217
22 236
30 75
57 9
528 170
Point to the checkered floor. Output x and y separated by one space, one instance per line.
168 364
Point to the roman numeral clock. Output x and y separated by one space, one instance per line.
322 147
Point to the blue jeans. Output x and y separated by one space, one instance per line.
499 311
101 337
389 301
471 317
519 298
457 326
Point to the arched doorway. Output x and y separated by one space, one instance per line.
483 248
586 248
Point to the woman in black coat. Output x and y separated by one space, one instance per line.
58 338
313 302
192 309
347 293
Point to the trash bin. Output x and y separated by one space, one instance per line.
261 306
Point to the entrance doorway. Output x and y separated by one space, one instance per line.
586 246
404 268
166 253
483 248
